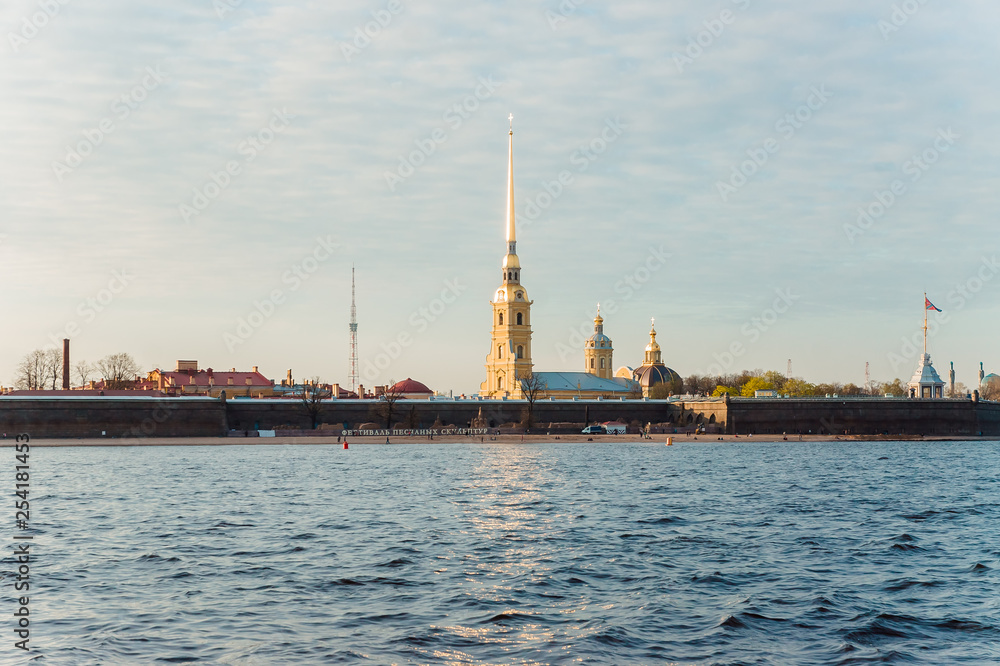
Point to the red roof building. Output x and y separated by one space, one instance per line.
412 389
187 379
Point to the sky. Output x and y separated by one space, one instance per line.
769 180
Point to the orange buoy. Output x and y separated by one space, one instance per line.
670 441
345 443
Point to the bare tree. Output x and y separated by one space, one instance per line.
961 390
532 387
53 368
412 418
39 369
83 371
387 403
991 391
312 395
30 371
118 371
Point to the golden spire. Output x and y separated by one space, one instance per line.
653 348
511 237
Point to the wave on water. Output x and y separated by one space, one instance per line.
535 554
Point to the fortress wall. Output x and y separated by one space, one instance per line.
268 414
188 417
894 416
116 417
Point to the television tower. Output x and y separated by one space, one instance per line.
354 337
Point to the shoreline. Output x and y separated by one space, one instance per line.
657 439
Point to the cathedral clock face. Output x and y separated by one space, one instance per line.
520 295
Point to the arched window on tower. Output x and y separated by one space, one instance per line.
499 382
501 319
520 321
520 351
591 363
499 351
602 364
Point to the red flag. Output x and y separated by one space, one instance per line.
930 306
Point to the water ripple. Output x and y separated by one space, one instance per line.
725 553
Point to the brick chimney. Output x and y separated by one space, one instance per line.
65 364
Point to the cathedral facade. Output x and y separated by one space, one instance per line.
509 370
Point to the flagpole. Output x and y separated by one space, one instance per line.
925 323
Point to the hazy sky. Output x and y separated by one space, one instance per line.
167 170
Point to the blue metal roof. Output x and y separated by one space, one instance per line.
583 381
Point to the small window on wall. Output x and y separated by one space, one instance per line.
501 319
520 351
520 321
602 364
499 382
499 351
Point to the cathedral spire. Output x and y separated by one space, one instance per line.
511 264
653 348
511 236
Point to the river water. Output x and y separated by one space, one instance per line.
618 553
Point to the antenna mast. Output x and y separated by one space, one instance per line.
354 337
868 380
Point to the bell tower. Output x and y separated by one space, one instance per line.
598 351
509 359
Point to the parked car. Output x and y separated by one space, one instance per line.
594 430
